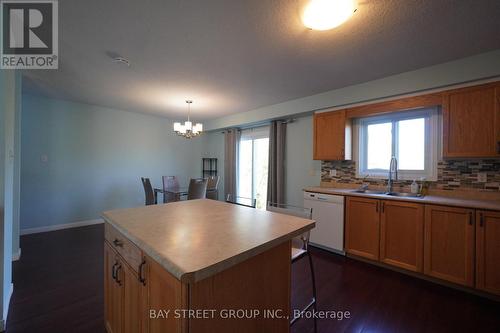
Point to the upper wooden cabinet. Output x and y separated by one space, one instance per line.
449 244
402 234
471 122
332 136
488 251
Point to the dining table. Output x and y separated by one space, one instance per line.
177 192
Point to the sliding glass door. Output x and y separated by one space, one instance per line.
253 164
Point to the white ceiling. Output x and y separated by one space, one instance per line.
231 56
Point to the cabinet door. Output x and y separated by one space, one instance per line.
402 234
488 251
165 293
329 135
449 244
135 300
362 232
471 125
113 291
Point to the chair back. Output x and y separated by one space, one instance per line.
169 182
213 187
148 191
305 213
242 201
197 189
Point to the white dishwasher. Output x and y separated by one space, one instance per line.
328 211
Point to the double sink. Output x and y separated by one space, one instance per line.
392 194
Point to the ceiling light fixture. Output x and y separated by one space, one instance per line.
187 129
327 14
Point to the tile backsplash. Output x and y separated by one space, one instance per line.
452 174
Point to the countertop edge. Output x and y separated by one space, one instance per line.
443 201
210 270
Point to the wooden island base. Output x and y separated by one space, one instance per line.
147 298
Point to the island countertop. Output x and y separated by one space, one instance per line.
196 239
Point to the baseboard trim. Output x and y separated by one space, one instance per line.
60 226
3 322
16 256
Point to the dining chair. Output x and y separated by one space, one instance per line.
170 182
213 187
242 201
300 249
148 191
197 188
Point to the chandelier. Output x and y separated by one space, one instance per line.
187 129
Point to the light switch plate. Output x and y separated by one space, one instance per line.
44 158
333 173
482 177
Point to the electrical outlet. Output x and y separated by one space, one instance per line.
482 177
333 173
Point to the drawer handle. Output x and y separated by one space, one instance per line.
113 270
118 242
141 276
116 274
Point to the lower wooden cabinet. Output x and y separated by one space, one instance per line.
402 234
488 251
124 295
362 227
449 244
113 292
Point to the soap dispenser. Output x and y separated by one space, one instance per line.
414 187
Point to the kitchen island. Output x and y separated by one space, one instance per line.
198 266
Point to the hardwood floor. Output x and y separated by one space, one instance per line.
59 288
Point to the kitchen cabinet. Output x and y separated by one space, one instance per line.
471 121
332 136
402 234
362 229
488 251
113 292
449 244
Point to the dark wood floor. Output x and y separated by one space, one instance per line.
58 288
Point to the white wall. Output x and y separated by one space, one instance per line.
7 149
301 170
96 157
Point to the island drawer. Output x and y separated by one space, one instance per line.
131 253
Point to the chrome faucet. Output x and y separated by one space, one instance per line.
393 171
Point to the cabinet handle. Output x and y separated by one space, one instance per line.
481 220
376 207
118 242
383 206
498 147
470 219
116 273
113 271
141 276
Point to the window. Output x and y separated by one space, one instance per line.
412 137
253 160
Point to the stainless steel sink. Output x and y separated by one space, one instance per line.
404 194
368 191
392 194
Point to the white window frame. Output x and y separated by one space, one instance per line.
432 145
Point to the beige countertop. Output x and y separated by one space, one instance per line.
195 239
428 199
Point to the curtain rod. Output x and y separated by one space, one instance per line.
262 124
